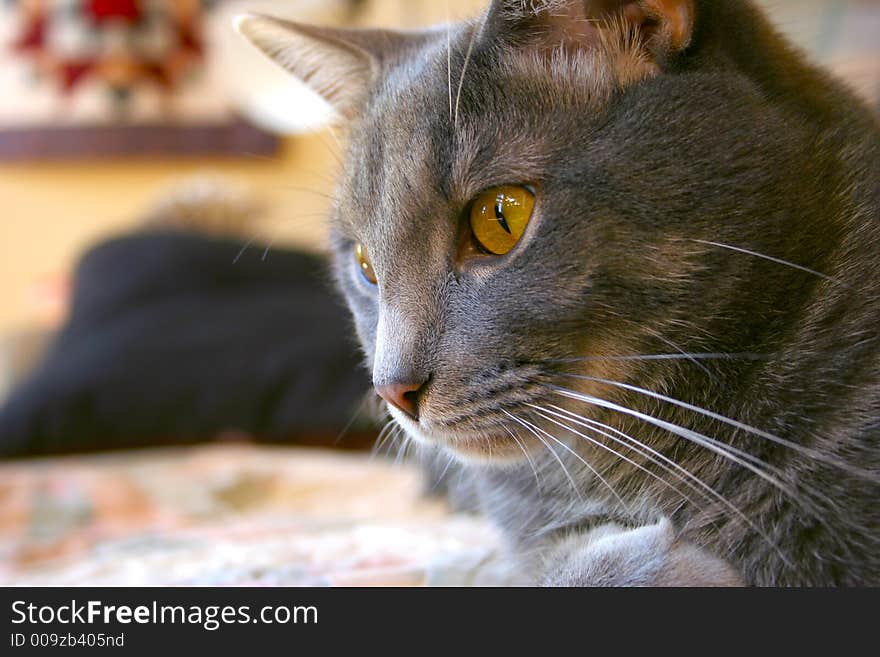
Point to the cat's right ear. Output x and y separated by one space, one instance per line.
661 29
340 65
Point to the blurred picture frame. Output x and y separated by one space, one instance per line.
116 78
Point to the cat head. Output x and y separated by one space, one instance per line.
538 196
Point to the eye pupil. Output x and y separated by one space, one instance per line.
499 214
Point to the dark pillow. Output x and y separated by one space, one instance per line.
175 338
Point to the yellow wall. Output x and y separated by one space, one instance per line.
50 212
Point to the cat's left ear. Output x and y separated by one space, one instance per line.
340 65
664 27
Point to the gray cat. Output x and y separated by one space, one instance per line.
620 262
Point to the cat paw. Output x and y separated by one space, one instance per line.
615 556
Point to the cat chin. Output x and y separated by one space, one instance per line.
473 450
481 457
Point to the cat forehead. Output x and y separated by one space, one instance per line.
429 134
462 72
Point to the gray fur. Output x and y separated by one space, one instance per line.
734 141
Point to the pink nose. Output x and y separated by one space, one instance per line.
403 396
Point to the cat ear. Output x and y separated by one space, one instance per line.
340 65
665 27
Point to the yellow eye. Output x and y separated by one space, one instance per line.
499 217
365 265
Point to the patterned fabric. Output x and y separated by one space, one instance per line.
102 59
123 42
233 515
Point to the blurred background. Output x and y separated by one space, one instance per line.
194 177
54 206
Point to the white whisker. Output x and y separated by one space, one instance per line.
442 474
350 423
686 477
467 61
724 420
726 451
384 435
598 443
449 58
778 261
650 357
589 467
692 436
400 459
533 430
525 452
684 353
244 249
